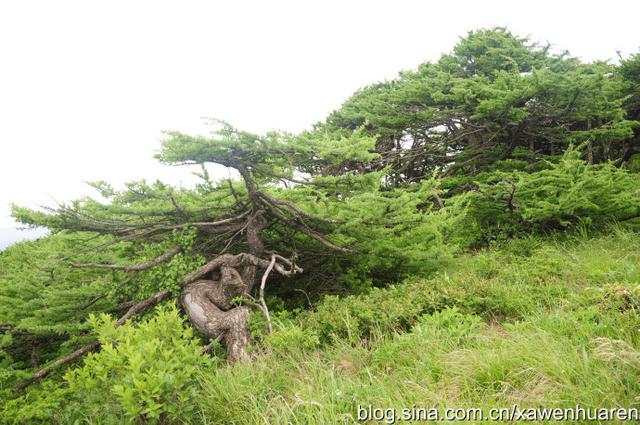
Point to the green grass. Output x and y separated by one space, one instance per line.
535 322
532 322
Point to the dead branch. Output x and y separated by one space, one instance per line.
439 200
297 210
261 301
287 178
309 232
510 203
136 267
152 300
61 361
91 302
124 305
150 230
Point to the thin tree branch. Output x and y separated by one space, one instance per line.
91 302
61 361
154 299
210 345
309 232
136 267
261 301
297 210
150 231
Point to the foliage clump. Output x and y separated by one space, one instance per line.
144 373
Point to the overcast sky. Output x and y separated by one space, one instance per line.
87 87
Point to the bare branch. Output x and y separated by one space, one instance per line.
261 301
124 305
287 178
89 303
219 222
61 361
438 200
297 210
150 230
309 232
152 300
136 267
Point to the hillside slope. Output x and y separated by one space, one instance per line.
534 322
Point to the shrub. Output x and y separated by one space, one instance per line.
143 372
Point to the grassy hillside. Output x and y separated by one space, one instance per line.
536 323
533 322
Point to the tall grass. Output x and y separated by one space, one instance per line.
550 322
533 322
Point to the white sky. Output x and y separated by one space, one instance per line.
86 87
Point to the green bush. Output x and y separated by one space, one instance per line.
568 193
144 373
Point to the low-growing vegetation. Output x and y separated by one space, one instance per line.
462 236
555 324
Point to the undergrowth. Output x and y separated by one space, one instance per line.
534 322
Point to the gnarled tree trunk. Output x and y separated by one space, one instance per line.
208 305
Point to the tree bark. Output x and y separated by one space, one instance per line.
208 305
208 302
